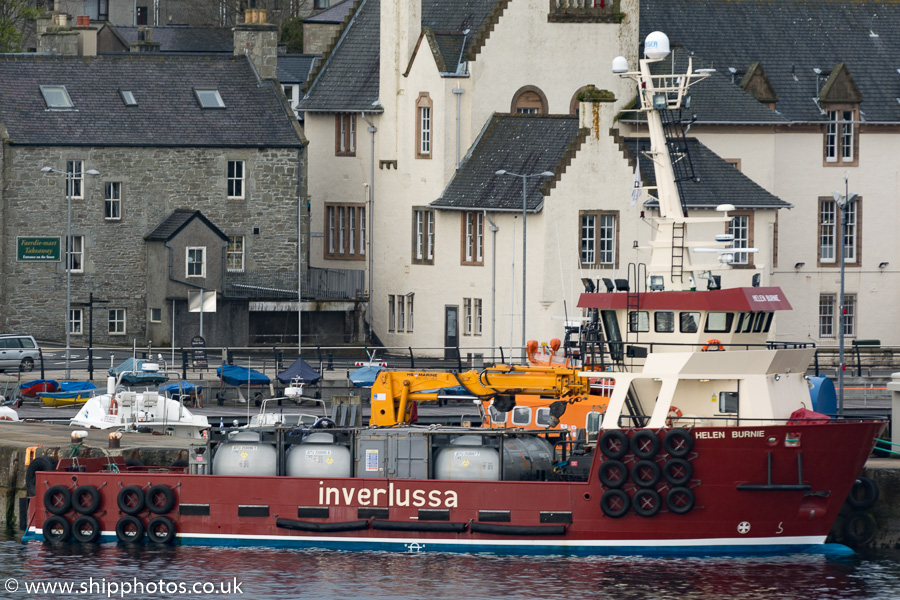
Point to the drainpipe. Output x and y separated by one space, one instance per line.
371 129
458 91
494 229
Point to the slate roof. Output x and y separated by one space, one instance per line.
177 221
716 181
295 68
167 113
523 144
182 38
789 38
333 14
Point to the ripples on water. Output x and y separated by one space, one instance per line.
287 575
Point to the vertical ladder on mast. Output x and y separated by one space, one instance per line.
677 271
683 169
633 302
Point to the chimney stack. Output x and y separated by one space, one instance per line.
259 41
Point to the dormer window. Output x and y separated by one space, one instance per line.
128 98
840 136
56 97
209 98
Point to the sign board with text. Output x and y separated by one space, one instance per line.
38 249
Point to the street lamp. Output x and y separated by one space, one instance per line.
69 184
524 179
845 202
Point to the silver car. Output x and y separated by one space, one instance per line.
18 352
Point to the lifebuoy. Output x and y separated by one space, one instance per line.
113 406
713 345
161 530
645 473
160 499
613 473
645 444
614 503
863 494
647 502
130 529
86 499
614 444
86 529
56 529
674 414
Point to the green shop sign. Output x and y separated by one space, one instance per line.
38 248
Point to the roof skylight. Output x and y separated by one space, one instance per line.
128 98
209 98
56 97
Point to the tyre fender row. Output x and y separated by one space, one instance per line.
129 529
645 444
647 502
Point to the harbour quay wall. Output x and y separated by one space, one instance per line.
885 512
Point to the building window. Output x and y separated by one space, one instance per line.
113 200
741 227
196 262
57 97
116 321
467 316
75 182
75 257
423 236
345 134
76 321
140 17
234 253
529 100
826 315
128 97
392 314
424 107
599 239
209 98
472 238
345 231
235 178
478 320
840 137
409 312
831 231
401 321
155 315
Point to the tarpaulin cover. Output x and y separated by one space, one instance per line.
804 416
365 376
137 376
301 370
32 388
76 386
237 375
186 388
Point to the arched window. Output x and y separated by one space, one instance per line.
529 100
573 103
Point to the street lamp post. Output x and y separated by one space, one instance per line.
524 179
844 201
70 177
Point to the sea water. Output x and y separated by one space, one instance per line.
36 570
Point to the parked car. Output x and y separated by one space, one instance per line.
18 352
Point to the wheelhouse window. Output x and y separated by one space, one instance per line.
424 107
112 203
235 179
521 416
638 321
840 137
234 253
345 134
345 231
196 262
116 321
832 232
664 321
689 322
472 238
599 234
719 322
728 402
423 236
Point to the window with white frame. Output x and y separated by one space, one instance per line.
392 314
423 236
116 321
112 209
234 253
196 261
472 238
424 107
75 179
599 239
235 177
409 312
478 303
467 316
155 315
826 315
850 315
76 321
832 231
840 136
345 134
827 227
740 227
401 314
345 231
75 255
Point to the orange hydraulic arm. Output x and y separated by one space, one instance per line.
394 391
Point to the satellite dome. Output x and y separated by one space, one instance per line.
656 45
620 64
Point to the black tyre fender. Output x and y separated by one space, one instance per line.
160 499
161 530
613 473
614 444
180 463
863 494
859 528
58 499
41 463
130 529
645 473
678 442
86 529
680 500
645 443
86 499
56 529
646 502
134 462
614 503
678 471
131 500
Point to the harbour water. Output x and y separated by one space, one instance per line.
39 571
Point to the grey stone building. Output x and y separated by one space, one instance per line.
198 187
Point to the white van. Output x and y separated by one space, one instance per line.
18 352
